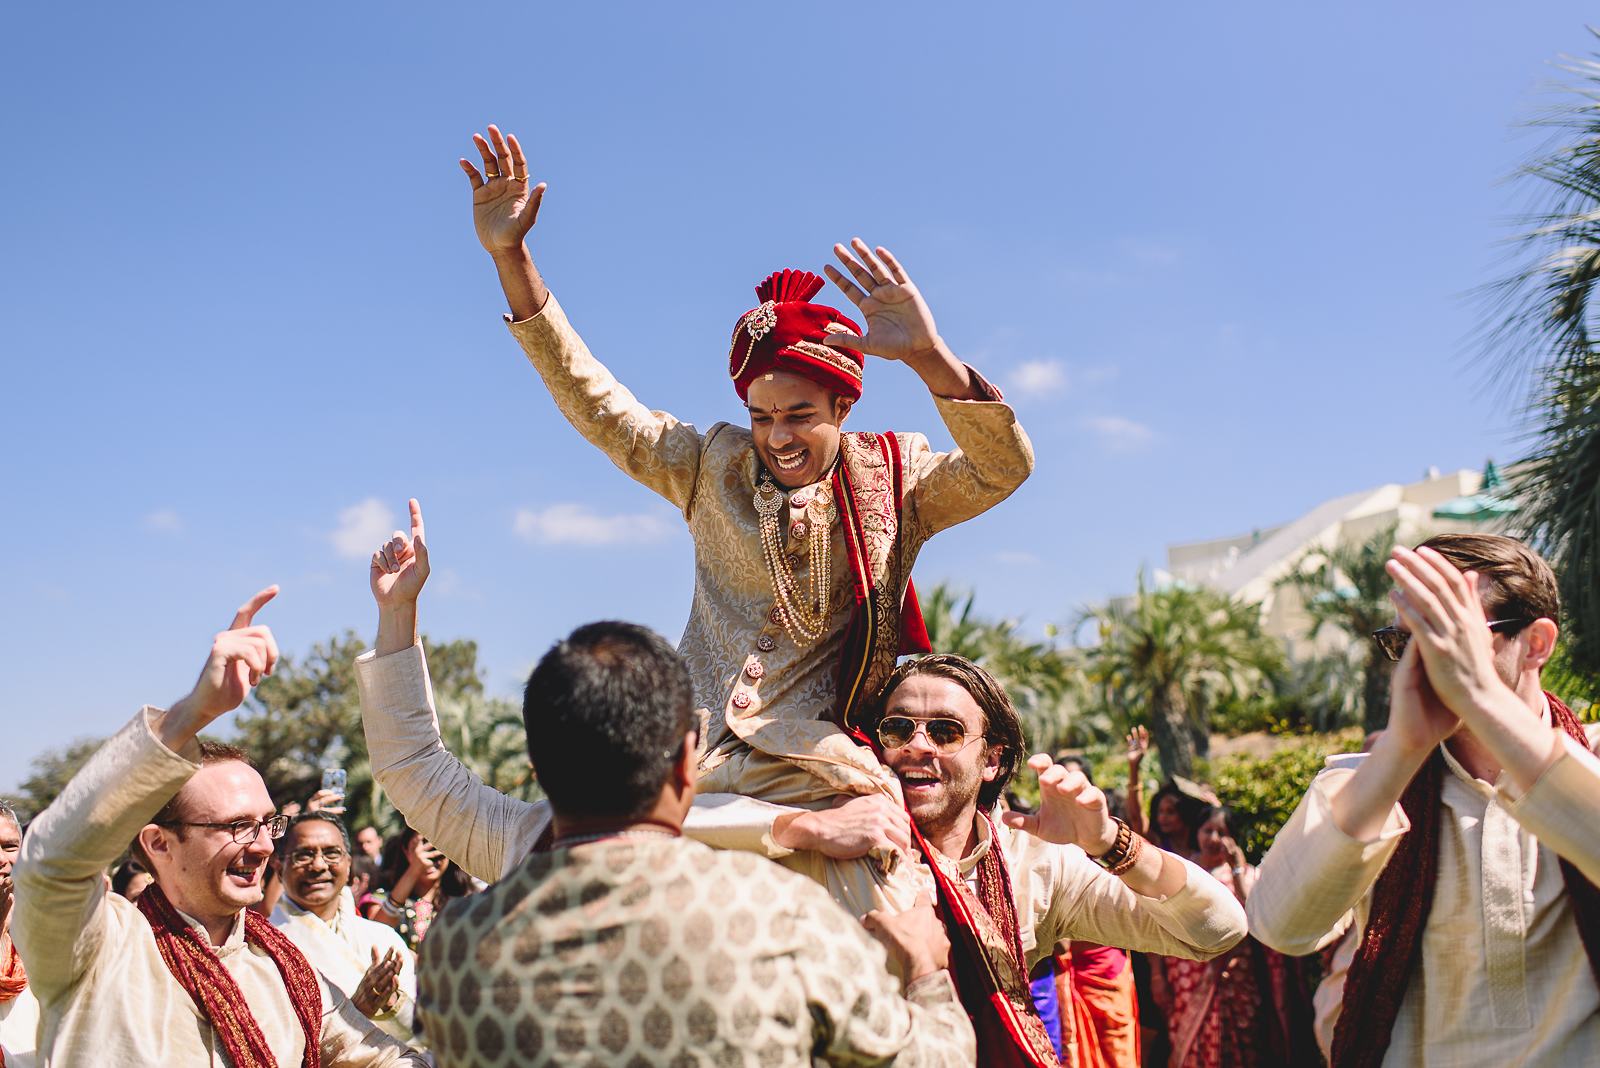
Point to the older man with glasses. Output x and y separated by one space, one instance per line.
1010 885
1460 851
187 975
318 913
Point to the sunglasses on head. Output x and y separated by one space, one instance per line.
945 735
1392 640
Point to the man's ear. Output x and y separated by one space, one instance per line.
1542 634
153 840
683 772
841 408
991 762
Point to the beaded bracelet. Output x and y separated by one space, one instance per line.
1124 851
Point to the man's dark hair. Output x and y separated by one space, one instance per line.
1001 724
606 712
314 817
1521 584
210 753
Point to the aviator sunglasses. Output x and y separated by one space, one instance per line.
1392 640
945 735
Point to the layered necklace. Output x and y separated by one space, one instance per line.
804 613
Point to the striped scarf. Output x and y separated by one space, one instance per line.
1391 947
198 969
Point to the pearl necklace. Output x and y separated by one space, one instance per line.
805 618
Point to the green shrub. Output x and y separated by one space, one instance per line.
1263 792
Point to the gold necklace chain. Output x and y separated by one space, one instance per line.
805 618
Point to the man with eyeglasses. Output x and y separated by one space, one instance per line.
1011 888
1461 850
187 975
366 958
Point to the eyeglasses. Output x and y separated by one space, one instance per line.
1392 640
946 735
304 858
244 831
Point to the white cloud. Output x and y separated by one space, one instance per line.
164 521
362 528
1119 433
577 524
1038 378
1010 556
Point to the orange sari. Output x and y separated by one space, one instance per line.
1099 1006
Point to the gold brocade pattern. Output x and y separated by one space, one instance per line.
711 478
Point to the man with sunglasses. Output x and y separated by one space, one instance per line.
1011 888
318 914
188 975
1460 851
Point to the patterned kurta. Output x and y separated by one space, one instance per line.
652 950
766 701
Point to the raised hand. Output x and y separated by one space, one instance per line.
1138 746
852 828
400 566
504 206
899 324
1072 811
239 657
915 939
1418 720
1442 608
379 986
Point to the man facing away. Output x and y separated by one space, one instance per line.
318 914
188 976
625 943
1462 847
804 535
1010 889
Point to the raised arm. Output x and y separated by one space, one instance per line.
651 447
1133 797
64 916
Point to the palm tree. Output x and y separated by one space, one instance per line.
1346 587
1045 683
1543 317
1174 653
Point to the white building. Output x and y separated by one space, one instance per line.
1249 566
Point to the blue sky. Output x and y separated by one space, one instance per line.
1219 256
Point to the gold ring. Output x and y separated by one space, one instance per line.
491 174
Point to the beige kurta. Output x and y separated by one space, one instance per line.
342 951
766 700
655 950
105 995
1504 979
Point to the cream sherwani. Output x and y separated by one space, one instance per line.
766 701
105 995
19 1030
342 951
1503 979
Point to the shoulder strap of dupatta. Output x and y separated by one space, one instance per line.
1585 896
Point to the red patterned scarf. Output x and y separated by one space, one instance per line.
13 977
197 968
1391 947
986 960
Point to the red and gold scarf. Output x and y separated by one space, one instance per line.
198 969
1391 946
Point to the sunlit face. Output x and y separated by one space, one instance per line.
1213 836
10 846
1169 818
312 875
137 884
369 842
941 790
202 869
796 425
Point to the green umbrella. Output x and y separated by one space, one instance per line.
1481 506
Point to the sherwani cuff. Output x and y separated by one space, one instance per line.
546 317
393 686
1558 809
733 821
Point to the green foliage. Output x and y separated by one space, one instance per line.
1345 587
1263 792
1170 657
1543 318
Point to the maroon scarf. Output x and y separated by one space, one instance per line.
1391 947
197 968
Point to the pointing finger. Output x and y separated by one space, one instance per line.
248 610
416 519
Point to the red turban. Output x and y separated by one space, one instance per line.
784 333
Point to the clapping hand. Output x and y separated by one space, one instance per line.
380 987
1138 746
899 324
1072 811
400 566
504 206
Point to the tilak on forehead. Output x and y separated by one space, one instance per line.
785 333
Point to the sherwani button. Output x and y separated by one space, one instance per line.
776 616
741 700
799 528
766 643
754 669
800 500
